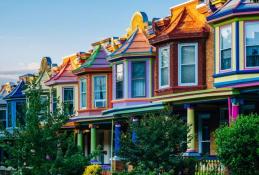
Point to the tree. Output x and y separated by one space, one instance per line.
40 146
238 145
159 145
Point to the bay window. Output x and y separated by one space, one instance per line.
100 91
225 47
20 113
252 44
119 81
68 100
138 78
164 62
83 93
188 68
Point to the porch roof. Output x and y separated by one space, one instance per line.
200 95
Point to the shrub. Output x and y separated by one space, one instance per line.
160 143
237 145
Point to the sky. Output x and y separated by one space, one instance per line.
32 29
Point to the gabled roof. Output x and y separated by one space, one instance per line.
95 61
185 22
136 45
5 90
234 8
65 74
17 92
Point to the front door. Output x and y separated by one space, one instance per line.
204 134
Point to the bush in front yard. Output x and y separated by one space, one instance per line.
159 144
238 145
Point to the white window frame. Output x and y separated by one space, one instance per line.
81 93
159 66
245 23
180 64
93 92
221 27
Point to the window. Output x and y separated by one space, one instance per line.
68 100
54 100
252 44
225 47
2 119
44 103
119 81
100 91
83 93
164 67
20 113
188 64
138 78
9 118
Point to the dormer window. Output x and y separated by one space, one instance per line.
225 47
252 44
164 62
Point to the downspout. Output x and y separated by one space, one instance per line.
112 146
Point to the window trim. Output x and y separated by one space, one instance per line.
93 96
121 63
159 67
244 35
231 59
180 45
80 93
145 78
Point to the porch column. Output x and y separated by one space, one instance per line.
80 139
93 139
191 134
117 144
235 108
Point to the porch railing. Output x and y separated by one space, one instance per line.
209 167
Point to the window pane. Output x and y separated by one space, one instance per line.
9 105
20 113
225 59
138 79
252 44
54 100
164 57
226 37
225 47
164 76
69 100
188 74
119 81
100 91
83 93
3 119
188 55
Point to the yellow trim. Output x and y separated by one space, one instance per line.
233 57
235 77
241 47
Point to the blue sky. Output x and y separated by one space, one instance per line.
31 29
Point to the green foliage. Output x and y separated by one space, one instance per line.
237 145
40 147
161 141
